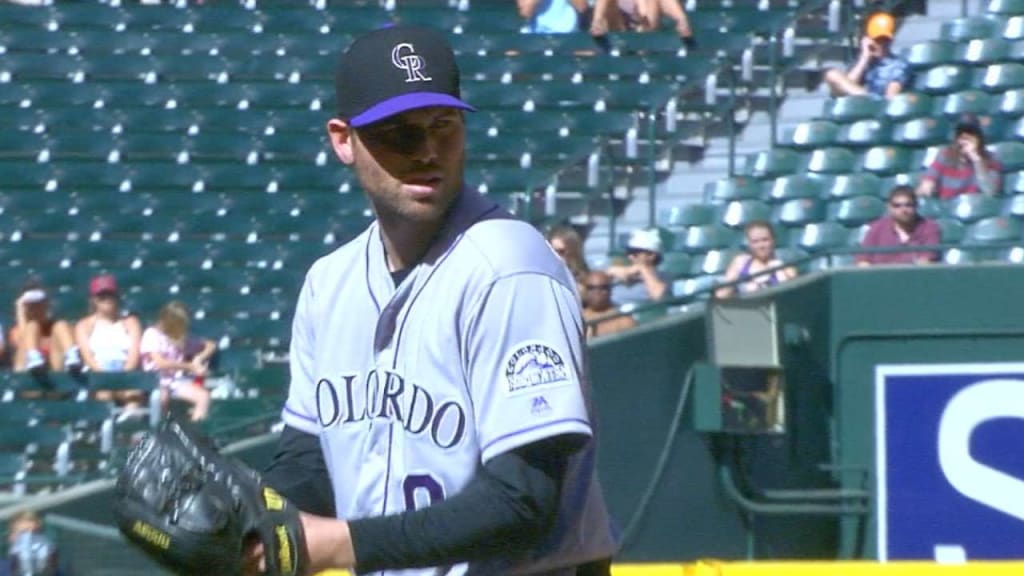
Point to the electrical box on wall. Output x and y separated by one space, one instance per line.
742 390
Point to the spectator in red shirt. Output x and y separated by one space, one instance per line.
965 166
903 226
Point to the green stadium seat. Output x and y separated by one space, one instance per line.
794 186
712 262
822 237
951 231
994 230
1010 154
836 160
887 160
959 257
969 208
1014 183
699 287
29 438
854 184
813 134
799 212
675 265
944 79
773 163
908 105
868 132
967 101
1003 77
1013 29
739 213
709 237
685 216
969 28
1014 206
856 211
931 207
850 108
729 189
1005 7
980 52
1012 103
923 132
11 466
931 53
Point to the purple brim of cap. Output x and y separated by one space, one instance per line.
404 103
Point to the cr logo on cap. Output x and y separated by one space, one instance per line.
404 56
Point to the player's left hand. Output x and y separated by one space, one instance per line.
196 511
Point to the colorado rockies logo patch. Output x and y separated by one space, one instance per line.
534 364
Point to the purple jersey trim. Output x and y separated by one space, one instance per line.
504 437
299 415
404 103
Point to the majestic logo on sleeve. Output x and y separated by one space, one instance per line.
388 396
404 57
535 364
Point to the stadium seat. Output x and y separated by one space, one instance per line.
836 160
773 163
1012 103
794 186
923 132
1010 154
951 231
856 211
980 52
1005 7
699 287
675 265
931 207
710 237
850 108
994 230
855 184
712 262
729 189
822 236
967 101
739 213
813 134
944 79
799 212
969 208
868 132
685 216
1013 29
931 53
1002 77
969 28
1014 183
887 160
908 105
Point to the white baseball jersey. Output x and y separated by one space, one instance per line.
413 388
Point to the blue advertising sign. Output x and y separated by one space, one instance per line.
950 461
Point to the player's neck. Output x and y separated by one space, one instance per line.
406 243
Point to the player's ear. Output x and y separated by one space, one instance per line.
341 139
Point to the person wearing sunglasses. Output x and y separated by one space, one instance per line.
902 226
599 311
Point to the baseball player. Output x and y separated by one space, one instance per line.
438 419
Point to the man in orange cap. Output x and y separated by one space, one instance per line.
877 71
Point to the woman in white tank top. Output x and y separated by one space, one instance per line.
108 341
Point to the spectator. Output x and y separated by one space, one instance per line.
30 552
965 166
40 341
877 71
747 268
552 16
566 242
638 16
640 278
598 310
902 227
180 358
108 341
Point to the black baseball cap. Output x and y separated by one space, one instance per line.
395 69
968 123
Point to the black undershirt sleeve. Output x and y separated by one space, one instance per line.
299 472
509 506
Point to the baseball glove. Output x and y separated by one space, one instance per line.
195 510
